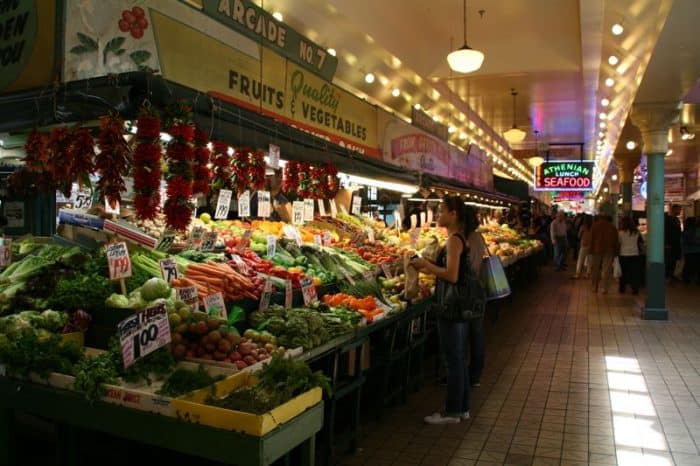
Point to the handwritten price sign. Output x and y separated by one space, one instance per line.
209 241
214 305
118 261
244 204
143 333
189 296
264 206
308 210
168 269
308 291
223 204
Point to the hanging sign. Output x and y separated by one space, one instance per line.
308 210
244 204
188 295
564 175
356 205
298 212
144 332
334 208
271 245
264 205
223 204
5 252
274 156
168 269
118 261
321 208
214 305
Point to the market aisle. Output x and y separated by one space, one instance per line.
571 378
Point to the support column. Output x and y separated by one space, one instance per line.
628 154
626 193
655 121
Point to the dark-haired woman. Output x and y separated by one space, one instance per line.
630 259
460 222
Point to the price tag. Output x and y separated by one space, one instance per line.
214 305
244 204
264 206
6 252
397 219
168 269
298 212
267 294
288 294
292 232
116 210
209 241
240 264
415 234
317 240
308 290
308 210
196 236
321 208
83 199
356 205
188 295
414 221
118 260
274 156
430 217
327 238
347 276
166 241
334 208
271 245
370 234
245 241
223 204
142 333
387 271
422 218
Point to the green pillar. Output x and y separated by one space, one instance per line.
615 210
655 307
626 192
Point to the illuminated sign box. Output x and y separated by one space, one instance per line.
564 175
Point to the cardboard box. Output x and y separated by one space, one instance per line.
192 408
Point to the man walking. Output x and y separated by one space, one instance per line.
558 230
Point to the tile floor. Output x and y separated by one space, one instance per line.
572 378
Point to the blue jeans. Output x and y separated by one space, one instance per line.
560 248
453 341
476 341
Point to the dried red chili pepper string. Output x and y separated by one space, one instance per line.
201 171
180 154
147 173
113 160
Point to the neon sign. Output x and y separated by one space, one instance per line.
564 175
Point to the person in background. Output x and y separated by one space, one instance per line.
630 260
672 240
691 251
604 247
457 218
558 231
584 253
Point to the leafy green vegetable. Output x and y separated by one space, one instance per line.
92 373
27 352
183 381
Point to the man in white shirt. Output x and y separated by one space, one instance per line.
557 231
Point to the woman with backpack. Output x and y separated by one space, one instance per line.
454 270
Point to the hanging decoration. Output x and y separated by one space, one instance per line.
221 169
331 183
179 154
290 179
147 172
58 164
256 170
81 156
240 162
317 180
201 172
112 162
305 189
34 176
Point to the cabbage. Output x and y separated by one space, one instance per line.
54 320
155 288
33 317
118 301
16 325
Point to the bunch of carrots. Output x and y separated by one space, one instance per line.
365 306
213 277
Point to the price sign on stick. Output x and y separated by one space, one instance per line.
166 241
5 252
321 208
308 210
274 156
214 305
288 294
188 295
327 238
430 217
267 294
356 205
271 245
142 333
209 241
298 212
83 199
334 208
168 269
244 204
118 261
223 204
196 236
245 241
308 291
264 205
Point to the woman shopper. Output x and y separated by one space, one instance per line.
630 260
452 263
584 235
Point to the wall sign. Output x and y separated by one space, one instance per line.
564 175
18 30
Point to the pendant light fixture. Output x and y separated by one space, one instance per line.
465 59
514 135
537 160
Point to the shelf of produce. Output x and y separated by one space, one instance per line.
72 411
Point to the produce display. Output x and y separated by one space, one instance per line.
506 243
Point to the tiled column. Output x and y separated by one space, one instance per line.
627 159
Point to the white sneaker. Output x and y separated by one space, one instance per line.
437 418
464 416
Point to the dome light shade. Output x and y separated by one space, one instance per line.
514 135
465 60
535 161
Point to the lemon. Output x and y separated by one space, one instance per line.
205 217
